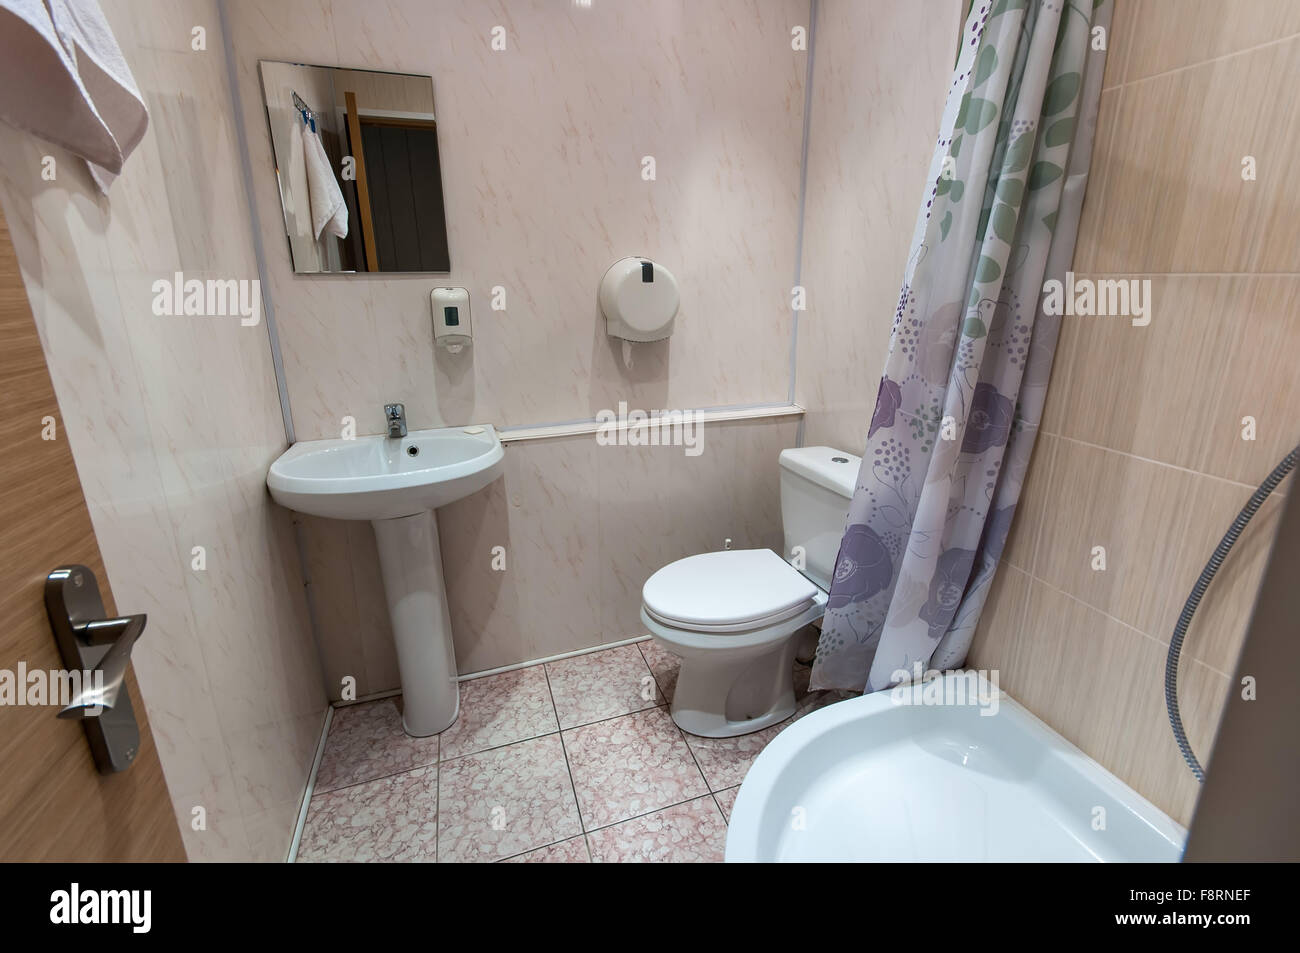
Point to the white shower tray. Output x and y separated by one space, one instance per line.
871 779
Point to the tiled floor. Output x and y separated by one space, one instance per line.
570 761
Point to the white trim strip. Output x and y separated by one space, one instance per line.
590 426
803 199
311 787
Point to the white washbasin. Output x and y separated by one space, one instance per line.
379 478
396 483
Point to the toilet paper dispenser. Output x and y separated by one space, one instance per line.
639 300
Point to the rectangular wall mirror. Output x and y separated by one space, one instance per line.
356 156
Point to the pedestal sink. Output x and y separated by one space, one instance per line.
397 483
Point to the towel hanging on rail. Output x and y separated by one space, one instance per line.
64 79
329 213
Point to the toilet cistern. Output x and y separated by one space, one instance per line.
395 415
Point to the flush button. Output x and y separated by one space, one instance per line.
472 430
839 459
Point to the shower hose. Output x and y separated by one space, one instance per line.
1189 608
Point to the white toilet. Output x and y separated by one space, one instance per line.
732 616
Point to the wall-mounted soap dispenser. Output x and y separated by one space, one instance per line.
639 300
451 326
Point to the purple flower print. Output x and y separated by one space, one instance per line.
951 574
888 400
862 569
989 423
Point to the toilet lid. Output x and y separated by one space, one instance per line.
727 588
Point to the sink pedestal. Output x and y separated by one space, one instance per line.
411 565
385 480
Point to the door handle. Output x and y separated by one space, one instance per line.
96 653
109 676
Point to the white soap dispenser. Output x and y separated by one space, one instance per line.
451 324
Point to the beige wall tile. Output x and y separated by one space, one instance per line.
1169 34
1133 508
1258 379
999 638
1175 200
1120 42
1100 684
1031 511
1150 390
1219 625
1106 157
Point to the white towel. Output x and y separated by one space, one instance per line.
329 213
63 78
296 197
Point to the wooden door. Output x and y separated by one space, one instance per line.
54 803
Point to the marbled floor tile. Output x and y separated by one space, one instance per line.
392 819
694 832
600 685
663 665
726 761
500 710
727 800
366 741
505 801
571 851
629 766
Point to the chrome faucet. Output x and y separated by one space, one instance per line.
395 414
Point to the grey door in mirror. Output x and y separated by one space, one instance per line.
96 652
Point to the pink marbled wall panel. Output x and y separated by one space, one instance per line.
878 90
541 147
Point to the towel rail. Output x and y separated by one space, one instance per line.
308 115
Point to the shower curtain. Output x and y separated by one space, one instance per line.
971 350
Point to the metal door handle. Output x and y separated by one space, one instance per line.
96 652
109 676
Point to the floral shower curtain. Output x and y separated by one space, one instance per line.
971 350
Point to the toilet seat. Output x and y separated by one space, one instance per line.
730 591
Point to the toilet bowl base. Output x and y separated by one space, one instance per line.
711 725
713 699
